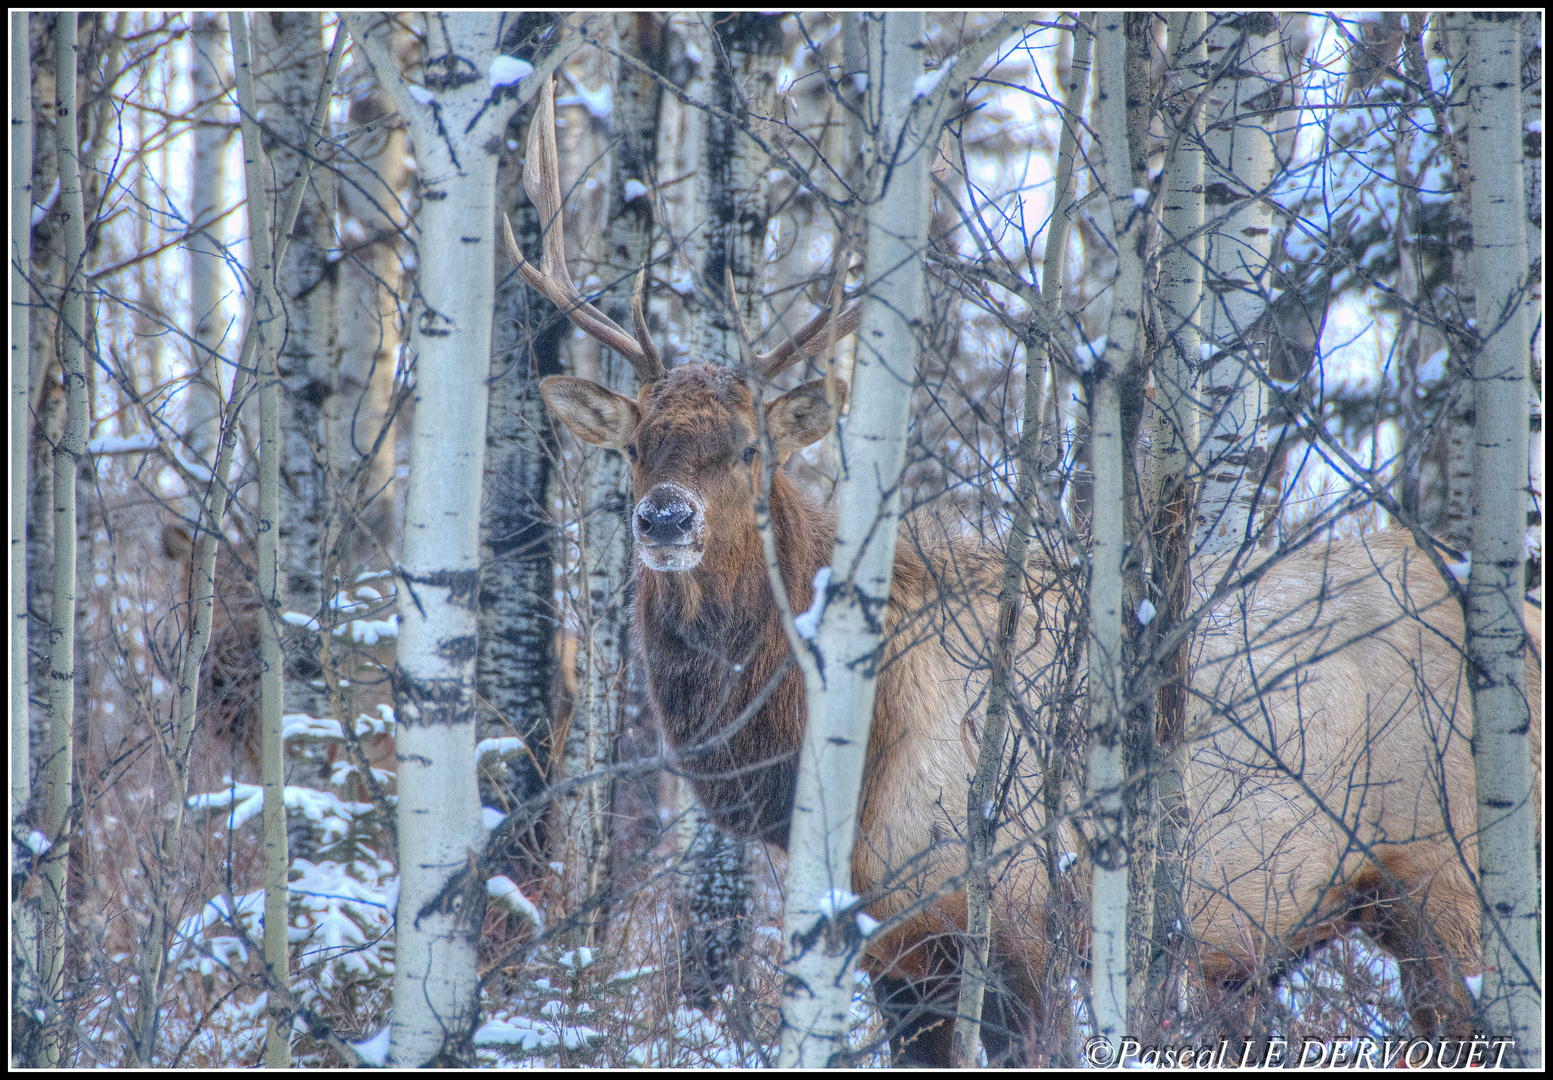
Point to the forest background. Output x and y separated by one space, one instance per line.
620 927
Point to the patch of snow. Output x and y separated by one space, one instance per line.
41 210
867 924
600 103
383 724
500 749
1066 861
329 812
122 444
374 1051
1287 386
1140 196
576 959
37 843
301 725
635 189
420 94
246 801
1461 571
1088 352
491 818
1146 612
371 631
296 618
682 282
835 901
926 83
507 70
508 896
1475 985
808 623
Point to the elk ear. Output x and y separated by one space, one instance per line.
801 416
594 414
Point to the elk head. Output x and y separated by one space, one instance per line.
690 434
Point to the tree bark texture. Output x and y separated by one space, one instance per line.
817 1000
1243 49
1496 633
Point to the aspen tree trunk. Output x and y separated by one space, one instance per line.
268 328
515 667
1173 445
1417 340
1140 804
454 123
515 671
748 52
689 203
817 999
1106 664
289 66
1460 416
21 336
1496 632
749 47
43 399
1241 164
202 404
1531 161
57 775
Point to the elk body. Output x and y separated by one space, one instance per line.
1330 783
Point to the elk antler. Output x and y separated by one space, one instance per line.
542 181
816 336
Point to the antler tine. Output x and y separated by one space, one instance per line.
542 182
732 300
652 361
814 338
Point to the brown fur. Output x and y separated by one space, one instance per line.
1319 767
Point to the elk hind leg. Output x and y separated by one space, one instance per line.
1428 925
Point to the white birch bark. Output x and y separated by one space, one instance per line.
21 335
57 774
1496 634
1241 164
288 68
1460 417
202 403
735 170
1531 161
817 1001
1108 919
454 123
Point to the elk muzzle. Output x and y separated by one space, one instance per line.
670 527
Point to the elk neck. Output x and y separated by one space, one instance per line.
712 639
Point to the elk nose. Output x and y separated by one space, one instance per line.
668 522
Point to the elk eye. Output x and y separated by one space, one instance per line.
631 451
749 454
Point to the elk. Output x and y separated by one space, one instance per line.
1330 712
